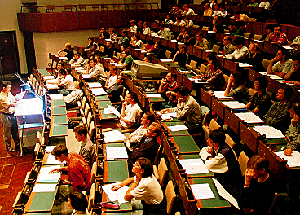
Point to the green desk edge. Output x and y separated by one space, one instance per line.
58 103
60 119
42 201
59 130
117 170
59 111
186 144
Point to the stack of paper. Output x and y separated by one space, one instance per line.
51 160
153 95
193 166
202 191
166 60
244 65
94 84
174 128
113 136
234 105
293 160
114 153
249 117
44 188
115 195
56 96
220 95
269 131
168 116
98 91
86 76
113 110
46 176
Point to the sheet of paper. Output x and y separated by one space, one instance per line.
202 191
222 192
269 131
113 136
49 149
115 195
49 77
249 117
173 41
288 47
51 160
94 84
263 73
45 176
168 116
220 95
193 166
245 65
52 86
293 160
116 153
174 128
153 95
234 105
166 60
98 91
275 77
79 68
63 58
56 96
44 188
113 110
86 76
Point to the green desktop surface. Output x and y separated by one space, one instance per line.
108 116
104 104
59 111
58 103
218 201
44 72
42 201
59 130
117 170
195 156
60 119
175 133
186 144
102 98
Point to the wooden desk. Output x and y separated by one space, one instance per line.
232 120
115 171
58 111
218 107
206 98
270 48
58 103
184 144
59 130
249 137
59 120
230 65
197 52
165 126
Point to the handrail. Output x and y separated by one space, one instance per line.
127 6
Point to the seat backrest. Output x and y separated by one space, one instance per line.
92 130
202 68
257 36
215 48
91 197
162 171
83 102
243 160
170 196
168 54
193 64
266 63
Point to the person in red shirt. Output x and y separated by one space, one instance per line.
277 36
79 174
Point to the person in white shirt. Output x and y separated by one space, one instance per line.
187 11
168 20
97 73
112 78
164 32
72 98
240 50
135 41
77 61
130 111
66 82
133 27
146 29
143 186
264 4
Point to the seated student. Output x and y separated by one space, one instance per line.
214 76
87 150
277 36
77 61
97 73
79 174
149 46
228 48
236 88
135 138
130 111
133 27
143 186
140 27
208 11
241 51
179 21
184 36
187 11
124 40
58 73
148 146
158 52
181 56
259 187
103 34
168 20
146 29
188 110
293 76
254 57
164 32
282 66
278 114
112 35
92 45
201 42
236 29
189 22
169 86
109 49
112 78
72 98
260 102
127 59
116 90
292 135
78 202
66 82
176 11
220 159
221 11
69 50
135 41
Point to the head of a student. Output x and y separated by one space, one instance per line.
97 58
185 7
168 16
232 27
91 41
284 93
59 66
80 132
239 42
78 201
259 164
140 24
238 79
261 83
111 30
294 110
119 79
145 24
102 30
282 54
253 47
147 118
227 40
76 85
68 46
296 61
154 130
123 33
132 22
108 44
182 49
113 71
199 37
147 58
63 72
6 86
171 77
183 93
131 97
277 29
76 56
216 138
93 62
126 53
143 166
60 152
206 6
